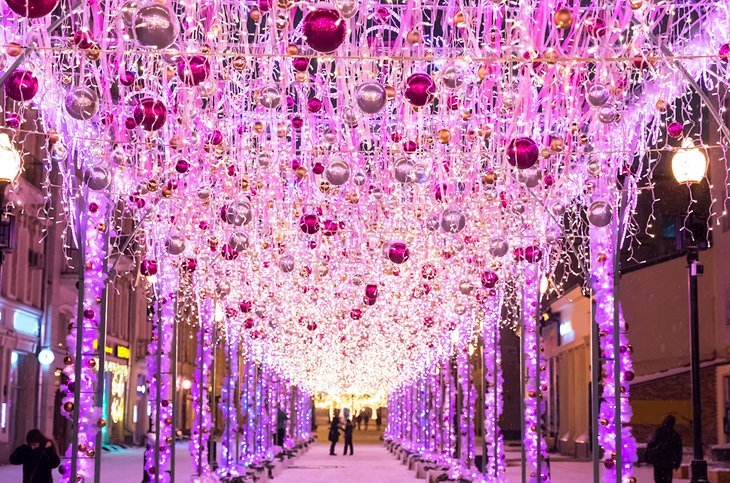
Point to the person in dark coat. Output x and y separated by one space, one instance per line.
664 451
348 435
38 457
334 435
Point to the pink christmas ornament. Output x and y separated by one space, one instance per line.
522 153
420 89
151 114
32 8
324 30
21 85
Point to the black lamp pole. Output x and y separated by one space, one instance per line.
694 269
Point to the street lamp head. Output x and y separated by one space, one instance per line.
9 159
689 164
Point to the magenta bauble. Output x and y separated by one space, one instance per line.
300 64
330 228
148 267
32 8
228 252
245 306
309 224
83 39
533 254
324 30
398 252
489 279
182 166
193 70
21 85
371 291
420 89
675 129
522 153
314 105
151 114
190 265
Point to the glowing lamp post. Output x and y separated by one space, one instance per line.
689 164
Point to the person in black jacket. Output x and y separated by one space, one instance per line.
664 451
334 435
38 457
348 435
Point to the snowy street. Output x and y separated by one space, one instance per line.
371 463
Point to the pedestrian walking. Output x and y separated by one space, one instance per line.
348 435
38 457
334 435
664 451
281 419
378 418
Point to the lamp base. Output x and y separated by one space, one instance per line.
699 471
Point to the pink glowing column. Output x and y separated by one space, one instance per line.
468 396
202 424
228 405
617 366
161 396
535 380
493 381
82 378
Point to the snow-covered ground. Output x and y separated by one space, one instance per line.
371 463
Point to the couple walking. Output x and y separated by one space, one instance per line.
334 436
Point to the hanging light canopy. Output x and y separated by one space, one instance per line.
689 164
9 159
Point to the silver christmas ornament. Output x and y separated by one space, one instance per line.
530 177
370 97
433 222
359 178
403 170
453 220
175 245
598 95
347 8
204 193
155 26
498 247
118 157
128 10
350 116
286 263
270 97
452 77
608 114
600 214
558 209
593 167
238 241
239 213
81 103
97 178
337 172
59 152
